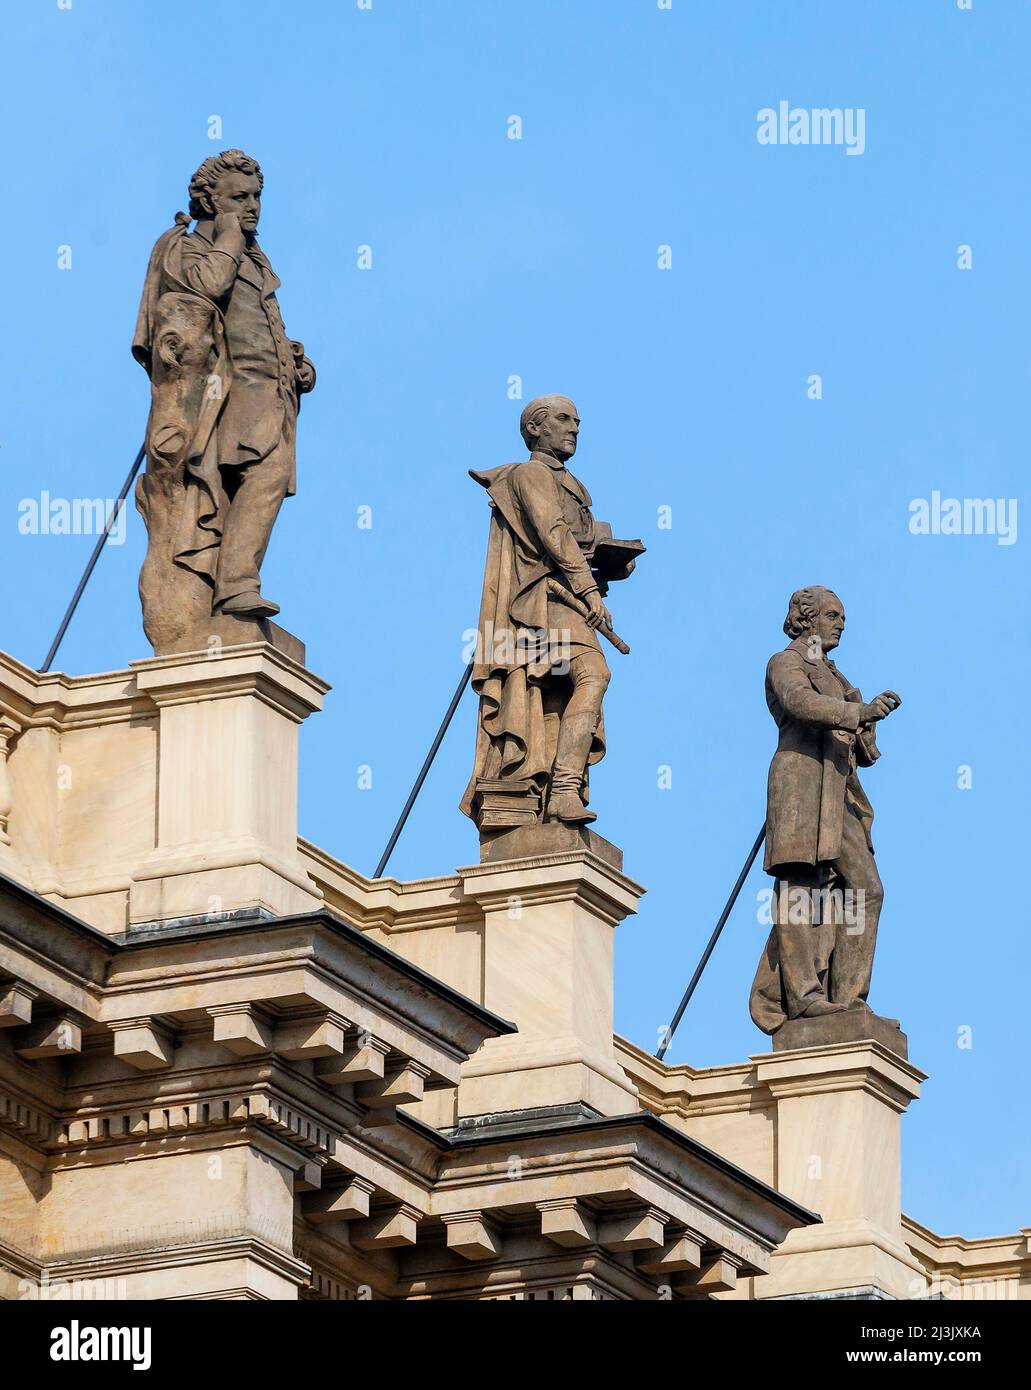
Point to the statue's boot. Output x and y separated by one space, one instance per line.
819 1007
249 605
567 806
574 743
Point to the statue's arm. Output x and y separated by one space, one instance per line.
211 270
304 367
537 492
867 751
787 676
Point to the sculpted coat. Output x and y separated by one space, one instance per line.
819 955
819 746
225 393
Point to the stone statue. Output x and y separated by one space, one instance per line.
225 389
827 895
539 669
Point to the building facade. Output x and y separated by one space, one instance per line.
231 1067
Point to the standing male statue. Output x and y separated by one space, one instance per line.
539 669
225 388
827 897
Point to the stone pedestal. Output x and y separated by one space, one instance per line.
227 784
527 841
836 1137
854 1024
165 791
548 923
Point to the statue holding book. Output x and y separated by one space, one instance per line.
539 669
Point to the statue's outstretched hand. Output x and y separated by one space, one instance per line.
879 707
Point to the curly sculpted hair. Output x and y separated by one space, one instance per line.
804 609
209 173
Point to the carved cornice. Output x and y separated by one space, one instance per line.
291 1123
166 1247
54 700
30 1123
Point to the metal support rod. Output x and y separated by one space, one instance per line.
424 770
668 1037
93 559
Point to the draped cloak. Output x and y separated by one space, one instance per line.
517 643
180 339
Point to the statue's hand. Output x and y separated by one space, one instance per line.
227 222
305 373
879 708
598 615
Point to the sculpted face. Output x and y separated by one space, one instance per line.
239 193
830 622
557 432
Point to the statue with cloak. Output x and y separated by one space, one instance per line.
539 669
226 384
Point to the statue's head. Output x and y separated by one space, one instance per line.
228 182
550 425
818 614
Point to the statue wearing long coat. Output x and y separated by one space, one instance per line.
817 825
819 746
225 391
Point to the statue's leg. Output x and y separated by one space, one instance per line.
589 675
802 940
252 512
856 932
554 698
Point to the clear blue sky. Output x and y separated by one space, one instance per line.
537 257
